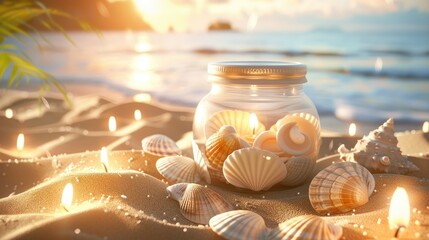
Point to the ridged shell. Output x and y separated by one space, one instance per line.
239 224
218 147
306 227
307 124
199 204
201 160
378 152
340 188
240 120
177 190
178 169
253 169
292 141
267 141
298 170
160 145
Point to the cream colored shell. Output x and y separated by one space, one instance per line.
160 145
292 141
200 158
298 169
267 141
178 169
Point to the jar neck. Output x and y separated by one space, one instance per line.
257 89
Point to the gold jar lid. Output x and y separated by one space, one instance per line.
258 72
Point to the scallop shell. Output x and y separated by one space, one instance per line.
253 169
177 190
267 141
199 204
178 169
298 170
201 160
160 145
307 124
235 118
292 141
340 188
306 227
239 224
378 152
219 146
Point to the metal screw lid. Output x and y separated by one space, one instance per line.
258 71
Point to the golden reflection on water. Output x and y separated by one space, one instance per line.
142 76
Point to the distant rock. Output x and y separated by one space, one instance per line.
220 26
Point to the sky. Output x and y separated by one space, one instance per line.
285 15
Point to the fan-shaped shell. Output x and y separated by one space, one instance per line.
160 145
177 190
292 141
267 141
340 188
298 170
253 169
307 124
178 169
199 204
306 227
220 145
201 160
239 224
240 120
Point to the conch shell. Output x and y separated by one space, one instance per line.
178 169
292 141
378 152
160 145
267 141
340 188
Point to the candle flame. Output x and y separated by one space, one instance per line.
8 113
352 129
20 142
137 115
104 158
253 122
67 198
112 124
425 127
399 211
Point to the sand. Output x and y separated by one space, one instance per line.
130 201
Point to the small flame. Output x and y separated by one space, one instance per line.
104 158
399 211
378 66
425 127
352 129
137 115
112 124
20 142
253 122
67 198
142 97
8 113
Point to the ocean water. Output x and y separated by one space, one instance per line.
352 76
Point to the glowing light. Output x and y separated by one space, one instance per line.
399 211
352 129
425 127
137 115
252 21
253 122
104 158
67 198
378 66
142 97
8 113
20 142
112 124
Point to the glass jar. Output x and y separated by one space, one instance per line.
256 97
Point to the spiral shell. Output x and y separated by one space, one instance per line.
253 169
298 170
292 141
178 169
267 141
239 224
378 152
160 145
199 204
340 188
235 118
306 227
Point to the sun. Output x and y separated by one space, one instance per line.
147 7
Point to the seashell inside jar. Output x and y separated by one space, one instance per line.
258 105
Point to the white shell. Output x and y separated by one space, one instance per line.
239 224
253 169
292 141
178 169
160 145
267 141
306 227
238 119
199 204
177 190
298 170
340 188
201 160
